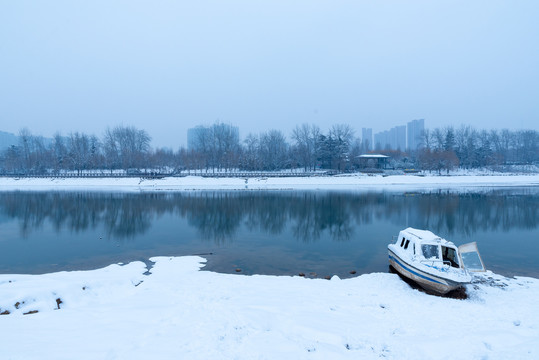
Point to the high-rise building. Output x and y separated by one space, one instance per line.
366 137
380 140
415 131
400 137
394 139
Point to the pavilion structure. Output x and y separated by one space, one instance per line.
373 161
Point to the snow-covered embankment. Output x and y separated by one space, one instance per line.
178 311
349 182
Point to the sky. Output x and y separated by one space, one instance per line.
166 66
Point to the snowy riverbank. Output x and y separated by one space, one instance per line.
178 312
348 182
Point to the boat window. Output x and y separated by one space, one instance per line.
406 245
402 242
472 261
430 251
450 255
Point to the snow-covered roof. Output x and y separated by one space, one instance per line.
423 235
379 156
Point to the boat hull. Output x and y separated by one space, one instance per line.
429 282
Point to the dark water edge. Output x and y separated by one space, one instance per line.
318 233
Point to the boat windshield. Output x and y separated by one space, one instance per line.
430 251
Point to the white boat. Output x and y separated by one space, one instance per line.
435 264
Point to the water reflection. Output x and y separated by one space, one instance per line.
218 216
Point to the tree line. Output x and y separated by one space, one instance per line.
219 148
465 147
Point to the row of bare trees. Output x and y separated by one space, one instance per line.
465 147
120 148
218 148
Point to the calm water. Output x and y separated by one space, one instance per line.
262 232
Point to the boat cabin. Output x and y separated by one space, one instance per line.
428 247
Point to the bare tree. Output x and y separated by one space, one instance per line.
305 137
127 147
438 139
59 152
79 151
224 145
163 160
273 150
251 151
426 139
25 146
111 150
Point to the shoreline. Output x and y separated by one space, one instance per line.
194 183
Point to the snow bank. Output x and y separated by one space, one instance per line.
348 182
180 312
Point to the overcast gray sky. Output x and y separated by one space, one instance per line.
165 66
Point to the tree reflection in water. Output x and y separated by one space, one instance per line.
218 215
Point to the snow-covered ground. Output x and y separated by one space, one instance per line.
180 312
348 182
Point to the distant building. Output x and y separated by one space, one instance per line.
400 137
381 140
415 131
366 137
394 139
